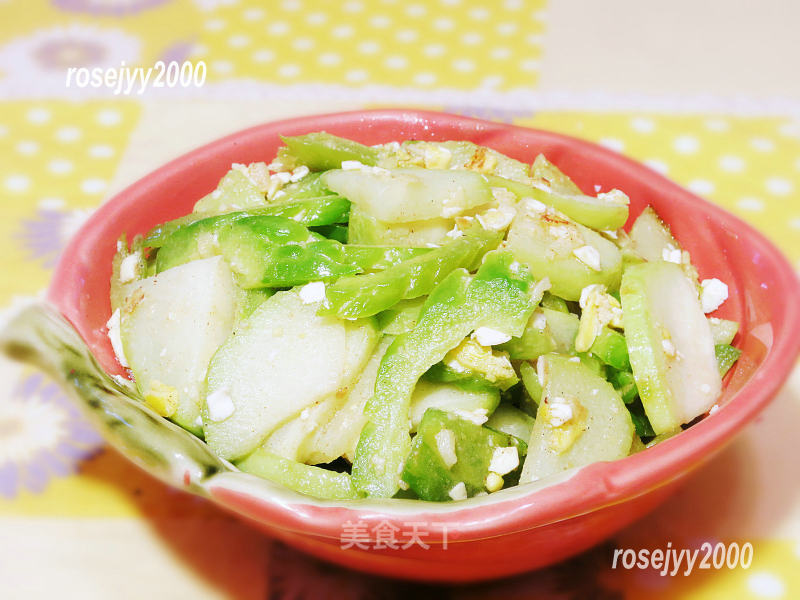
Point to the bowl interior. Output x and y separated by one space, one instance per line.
764 290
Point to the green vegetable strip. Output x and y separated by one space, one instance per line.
314 481
377 258
277 252
499 296
366 295
624 383
530 380
323 210
321 151
726 356
611 348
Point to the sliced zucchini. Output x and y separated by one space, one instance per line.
471 403
171 326
407 195
570 255
282 359
581 420
670 344
366 229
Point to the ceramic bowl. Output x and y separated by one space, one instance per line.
510 531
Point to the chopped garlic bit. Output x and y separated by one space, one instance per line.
437 157
504 460
312 292
598 309
494 482
219 405
559 411
128 267
539 320
459 491
589 256
486 336
497 219
446 445
114 325
713 293
615 196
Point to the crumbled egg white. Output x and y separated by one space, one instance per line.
478 416
589 256
312 292
559 410
486 336
459 491
504 460
437 157
114 327
671 254
493 482
497 219
446 445
128 267
451 211
615 196
219 405
560 232
355 165
533 205
455 233
299 173
713 293
540 369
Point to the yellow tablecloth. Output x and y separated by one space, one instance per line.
77 520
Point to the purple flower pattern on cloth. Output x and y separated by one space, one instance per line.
45 235
42 436
116 8
178 52
58 55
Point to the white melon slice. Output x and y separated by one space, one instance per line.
171 326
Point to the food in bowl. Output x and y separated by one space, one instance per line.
429 320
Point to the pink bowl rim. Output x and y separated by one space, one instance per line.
590 488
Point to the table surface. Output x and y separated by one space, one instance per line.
706 93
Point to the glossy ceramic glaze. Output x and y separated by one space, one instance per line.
513 530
